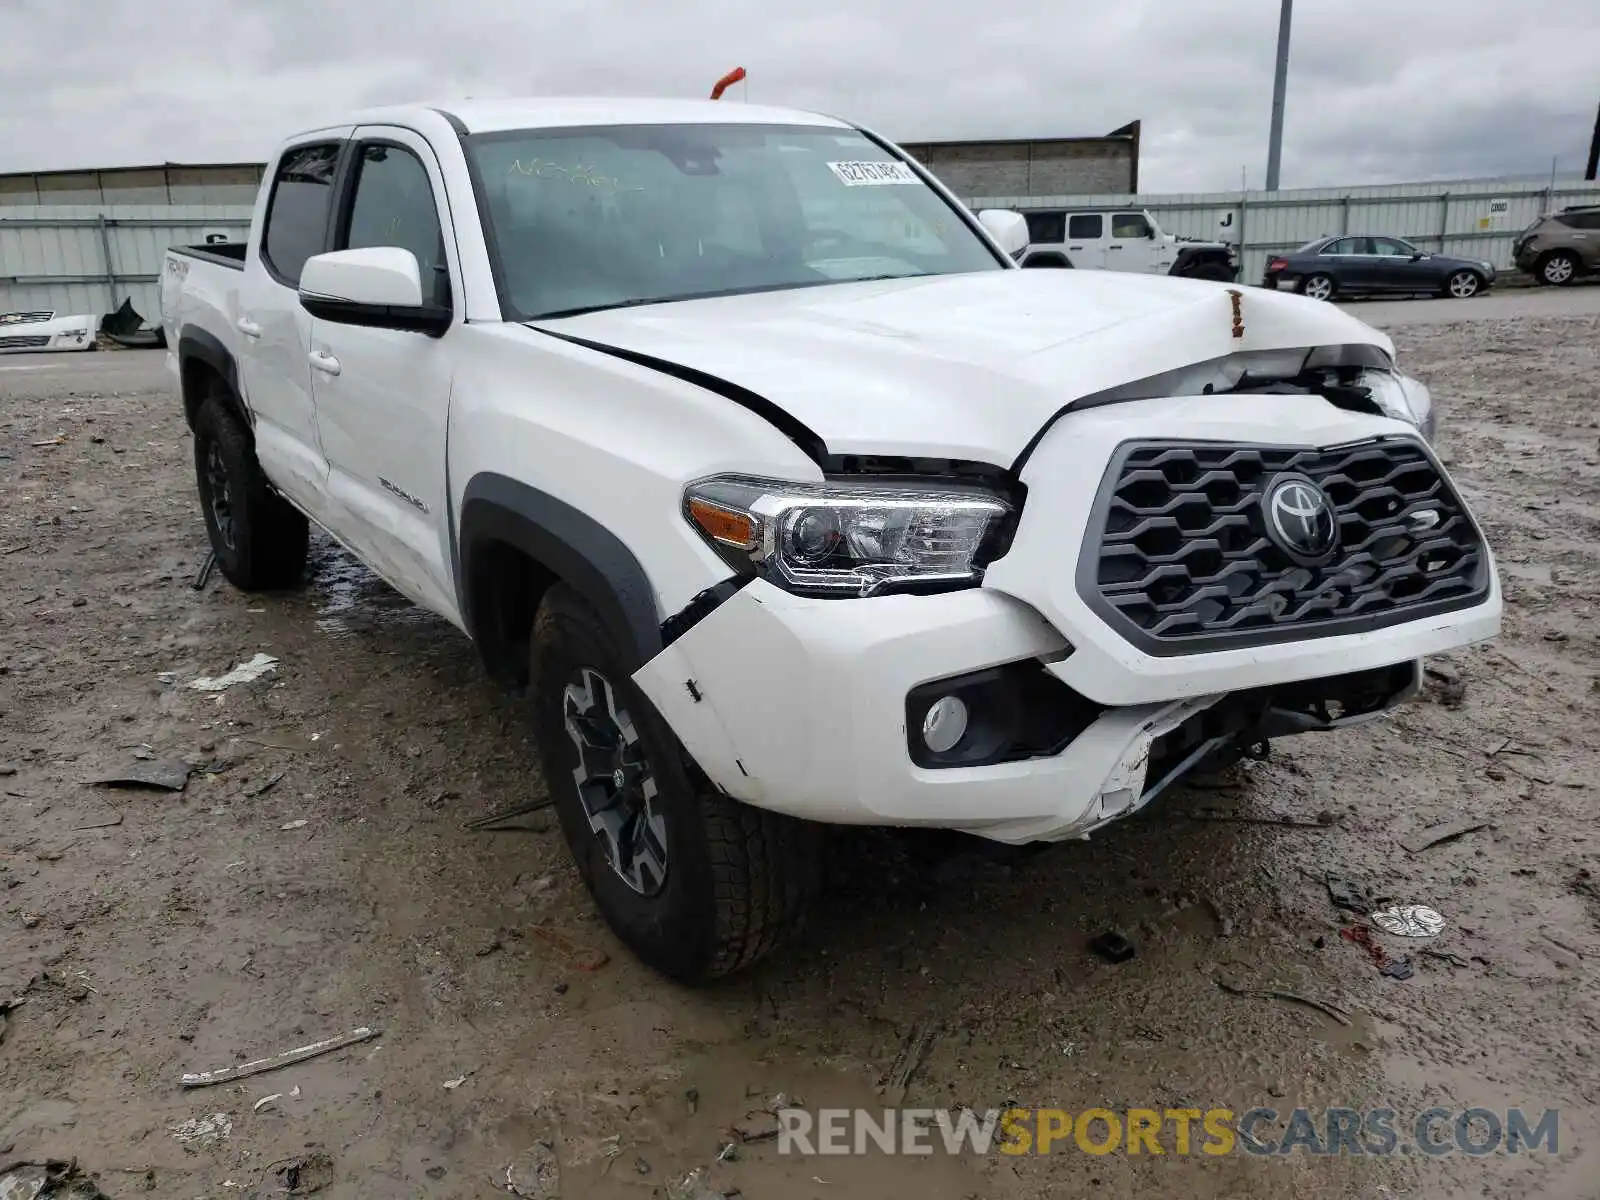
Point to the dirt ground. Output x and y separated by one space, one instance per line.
316 876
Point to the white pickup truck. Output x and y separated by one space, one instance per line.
733 440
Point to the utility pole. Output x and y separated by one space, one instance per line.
1594 148
1280 81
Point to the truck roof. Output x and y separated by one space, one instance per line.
548 112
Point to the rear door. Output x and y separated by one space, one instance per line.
383 395
1086 240
1346 261
274 331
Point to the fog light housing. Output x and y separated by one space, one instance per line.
945 725
1002 714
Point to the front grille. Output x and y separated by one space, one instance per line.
26 342
1183 561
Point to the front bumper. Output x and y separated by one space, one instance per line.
801 705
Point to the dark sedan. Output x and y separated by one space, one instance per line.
1365 266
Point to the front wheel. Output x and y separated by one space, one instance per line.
1318 287
1463 285
1558 269
696 884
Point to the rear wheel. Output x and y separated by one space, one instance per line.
1318 287
259 539
1463 285
697 884
1558 269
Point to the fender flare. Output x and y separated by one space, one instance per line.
567 543
197 345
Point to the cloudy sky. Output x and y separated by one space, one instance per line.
1380 90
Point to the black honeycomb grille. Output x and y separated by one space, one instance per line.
26 341
1184 563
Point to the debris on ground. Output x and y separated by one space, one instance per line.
1272 993
287 1058
53 1179
299 823
580 958
912 1051
729 1152
305 1176
1347 895
1361 935
1446 956
505 818
204 575
265 1100
1400 968
1445 831
756 1127
693 1186
165 774
451 1085
1113 946
245 672
106 822
1409 920
261 789
1445 684
204 1131
535 1173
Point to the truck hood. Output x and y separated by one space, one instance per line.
959 366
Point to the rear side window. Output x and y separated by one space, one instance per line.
1086 226
394 206
1581 220
1046 226
297 214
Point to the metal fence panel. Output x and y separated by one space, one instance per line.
1446 218
85 258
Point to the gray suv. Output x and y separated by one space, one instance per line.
1561 247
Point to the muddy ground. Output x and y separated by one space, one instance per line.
154 933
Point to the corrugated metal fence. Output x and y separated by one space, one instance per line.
88 258
83 258
1479 219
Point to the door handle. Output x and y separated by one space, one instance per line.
1113 247
322 361
1074 247
248 327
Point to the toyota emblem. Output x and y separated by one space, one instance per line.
1300 519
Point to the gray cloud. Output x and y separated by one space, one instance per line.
1378 91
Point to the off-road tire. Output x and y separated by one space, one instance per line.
265 548
738 880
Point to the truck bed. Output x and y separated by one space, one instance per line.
225 254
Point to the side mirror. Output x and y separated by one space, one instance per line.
1008 228
1417 256
379 287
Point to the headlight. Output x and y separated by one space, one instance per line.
846 538
1404 398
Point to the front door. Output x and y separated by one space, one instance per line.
275 332
383 395
1134 245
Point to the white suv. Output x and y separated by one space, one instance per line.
730 436
1122 239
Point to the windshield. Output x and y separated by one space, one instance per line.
590 218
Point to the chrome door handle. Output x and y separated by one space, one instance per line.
322 361
248 327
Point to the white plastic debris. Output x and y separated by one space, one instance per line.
451 1085
1409 920
245 672
300 824
265 1100
204 1131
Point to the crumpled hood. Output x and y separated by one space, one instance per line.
960 366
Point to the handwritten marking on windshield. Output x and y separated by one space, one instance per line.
540 168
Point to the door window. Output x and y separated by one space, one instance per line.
394 206
1391 248
1046 226
1086 227
1130 225
1350 245
297 213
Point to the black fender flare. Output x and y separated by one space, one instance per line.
197 345
1036 259
568 544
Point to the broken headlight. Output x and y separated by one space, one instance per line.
1404 398
848 538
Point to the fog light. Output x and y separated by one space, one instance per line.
945 724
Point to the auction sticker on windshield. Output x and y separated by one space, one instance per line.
873 174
